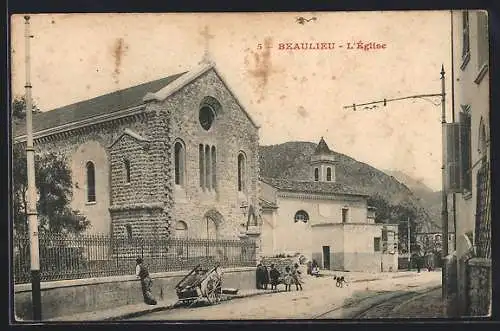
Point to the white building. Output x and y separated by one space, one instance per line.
325 221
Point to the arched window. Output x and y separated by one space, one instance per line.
179 162
126 164
316 174
181 229
328 174
241 172
90 182
214 168
202 165
208 168
301 216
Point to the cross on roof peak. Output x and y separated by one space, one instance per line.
205 33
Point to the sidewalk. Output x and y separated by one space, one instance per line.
134 310
129 311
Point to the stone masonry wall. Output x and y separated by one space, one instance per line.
73 146
152 171
280 263
479 287
136 191
231 133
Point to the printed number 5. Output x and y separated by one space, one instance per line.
259 46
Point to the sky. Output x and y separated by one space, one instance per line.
293 94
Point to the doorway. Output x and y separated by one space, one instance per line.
326 257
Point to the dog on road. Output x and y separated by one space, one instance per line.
339 281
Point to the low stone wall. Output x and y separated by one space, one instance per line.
280 263
479 287
67 297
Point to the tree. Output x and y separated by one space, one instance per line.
54 188
19 108
406 215
383 208
399 214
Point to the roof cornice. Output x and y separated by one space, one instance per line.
321 196
66 129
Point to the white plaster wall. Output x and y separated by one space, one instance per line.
477 96
267 234
293 237
97 212
359 238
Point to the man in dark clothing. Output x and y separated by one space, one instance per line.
274 276
261 277
265 277
141 272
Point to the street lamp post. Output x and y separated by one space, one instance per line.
444 204
31 194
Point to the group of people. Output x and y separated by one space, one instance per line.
272 276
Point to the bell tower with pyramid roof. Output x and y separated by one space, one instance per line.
323 163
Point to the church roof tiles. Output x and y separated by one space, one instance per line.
104 104
312 187
322 148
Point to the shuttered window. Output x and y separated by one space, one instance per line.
482 38
465 34
465 151
453 176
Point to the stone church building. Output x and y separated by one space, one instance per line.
175 156
325 220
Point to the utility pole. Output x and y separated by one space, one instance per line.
409 243
444 210
444 204
32 196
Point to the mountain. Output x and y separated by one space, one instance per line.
430 199
290 160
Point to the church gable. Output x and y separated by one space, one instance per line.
132 137
215 85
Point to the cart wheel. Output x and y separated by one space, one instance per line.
214 296
218 294
211 297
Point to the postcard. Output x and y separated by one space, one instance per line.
243 166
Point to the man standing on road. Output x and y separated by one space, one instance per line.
141 272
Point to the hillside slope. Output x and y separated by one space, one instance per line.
430 200
290 160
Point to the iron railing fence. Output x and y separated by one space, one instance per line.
85 256
483 212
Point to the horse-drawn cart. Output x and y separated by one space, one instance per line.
200 284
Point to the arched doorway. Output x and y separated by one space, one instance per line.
212 221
